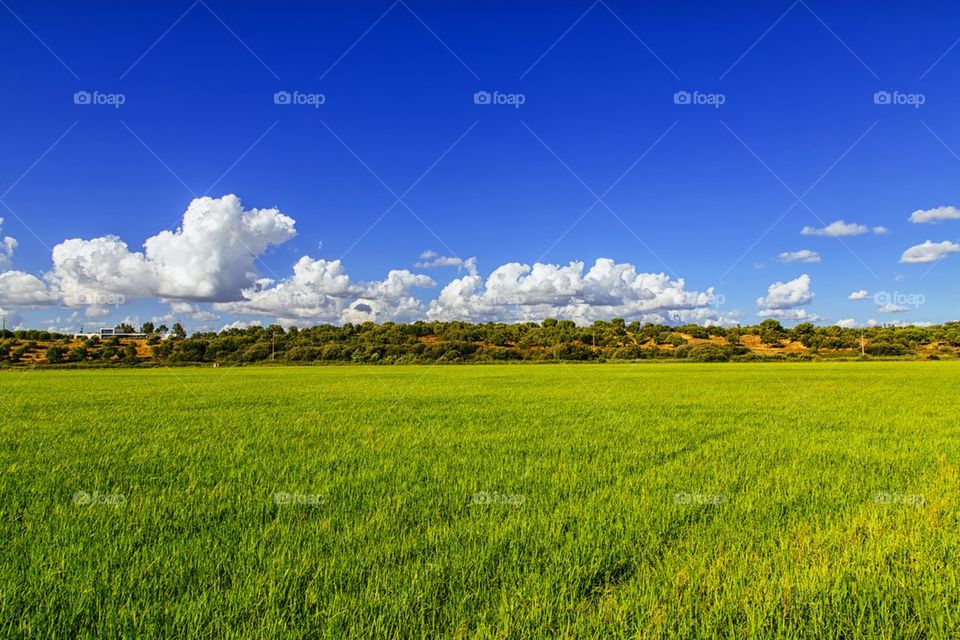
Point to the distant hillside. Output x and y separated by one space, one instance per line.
454 342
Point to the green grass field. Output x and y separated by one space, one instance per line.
653 500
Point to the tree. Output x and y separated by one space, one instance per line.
54 355
771 332
178 331
123 327
147 328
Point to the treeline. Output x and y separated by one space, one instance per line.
455 342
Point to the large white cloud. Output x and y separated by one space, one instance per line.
938 214
784 298
321 291
211 256
100 271
784 295
518 292
929 252
19 289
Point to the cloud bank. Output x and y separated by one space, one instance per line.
517 292
320 291
216 256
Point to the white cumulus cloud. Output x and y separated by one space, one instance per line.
211 256
929 252
938 214
803 255
858 295
321 291
787 295
519 292
841 228
19 289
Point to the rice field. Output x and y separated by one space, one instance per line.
805 500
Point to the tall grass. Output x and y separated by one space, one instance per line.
674 501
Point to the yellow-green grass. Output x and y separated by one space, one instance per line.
653 500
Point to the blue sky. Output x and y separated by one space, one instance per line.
708 193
